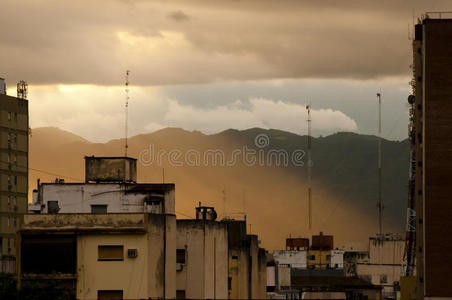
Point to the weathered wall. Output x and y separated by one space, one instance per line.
386 251
205 273
119 198
296 259
13 169
129 275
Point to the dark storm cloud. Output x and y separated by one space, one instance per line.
95 41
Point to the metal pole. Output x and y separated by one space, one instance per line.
126 112
308 108
379 205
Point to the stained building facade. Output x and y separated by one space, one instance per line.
13 172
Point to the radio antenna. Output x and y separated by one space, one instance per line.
126 112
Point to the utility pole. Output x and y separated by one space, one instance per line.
379 205
308 109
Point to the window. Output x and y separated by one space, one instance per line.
109 295
15 116
328 257
9 200
15 221
311 257
229 283
235 257
8 226
15 180
383 278
52 207
180 256
180 294
98 209
110 253
9 116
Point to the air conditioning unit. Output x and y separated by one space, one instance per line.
132 253
179 267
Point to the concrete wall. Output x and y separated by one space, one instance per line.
162 257
337 259
283 277
152 274
119 198
239 273
386 251
295 259
130 275
205 272
378 272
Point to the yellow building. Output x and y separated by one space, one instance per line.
318 259
13 172
101 256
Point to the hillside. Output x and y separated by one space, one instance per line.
344 176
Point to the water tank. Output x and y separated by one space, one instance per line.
110 169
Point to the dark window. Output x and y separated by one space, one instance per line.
328 257
180 256
56 253
229 283
98 209
52 207
235 257
180 294
109 295
110 252
311 257
383 278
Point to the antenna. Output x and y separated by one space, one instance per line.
126 112
308 109
22 90
379 204
223 193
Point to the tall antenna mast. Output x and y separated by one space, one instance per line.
308 108
379 205
126 112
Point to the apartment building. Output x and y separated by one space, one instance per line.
13 172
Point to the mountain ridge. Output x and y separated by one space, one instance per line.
344 177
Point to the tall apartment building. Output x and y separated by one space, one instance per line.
431 136
13 171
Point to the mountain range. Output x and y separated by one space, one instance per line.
258 172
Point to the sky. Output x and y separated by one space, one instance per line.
212 65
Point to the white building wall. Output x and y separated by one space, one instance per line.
78 198
295 259
337 259
271 276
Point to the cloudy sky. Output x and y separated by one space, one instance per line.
212 65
